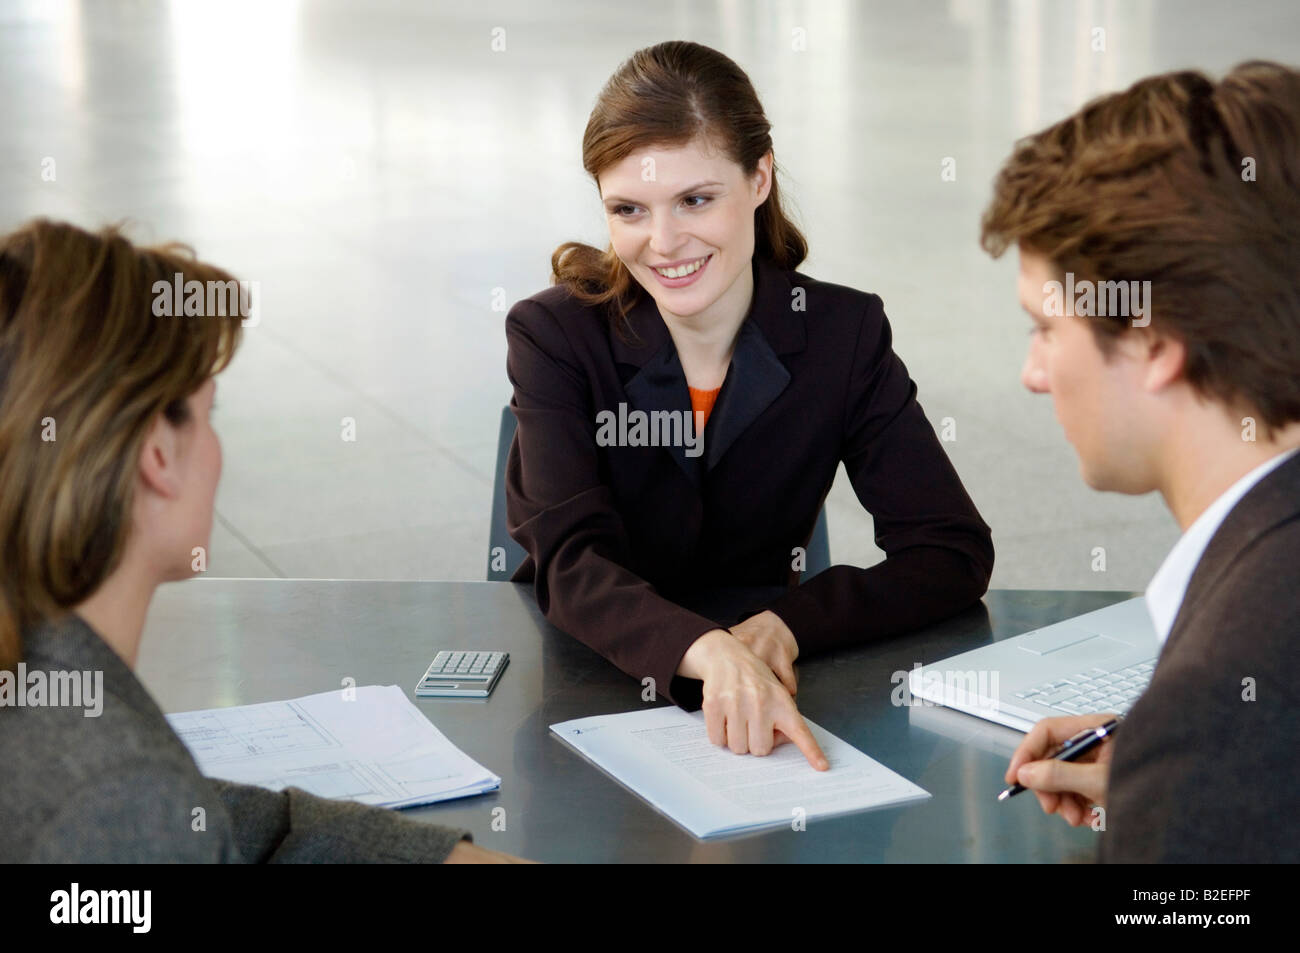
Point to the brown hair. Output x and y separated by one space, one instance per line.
1195 187
81 350
668 95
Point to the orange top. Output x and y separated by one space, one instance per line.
702 400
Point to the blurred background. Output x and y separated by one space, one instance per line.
394 175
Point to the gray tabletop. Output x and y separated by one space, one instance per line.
217 642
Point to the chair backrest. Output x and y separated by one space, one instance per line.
505 555
819 548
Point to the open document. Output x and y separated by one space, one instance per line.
367 744
665 756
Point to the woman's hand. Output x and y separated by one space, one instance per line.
745 707
466 853
768 637
1068 788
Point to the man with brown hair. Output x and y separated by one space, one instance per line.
1171 213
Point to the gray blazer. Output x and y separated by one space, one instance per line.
1199 773
121 787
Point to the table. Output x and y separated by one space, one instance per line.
215 642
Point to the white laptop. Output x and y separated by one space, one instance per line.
1097 662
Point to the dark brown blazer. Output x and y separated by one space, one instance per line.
616 536
1200 773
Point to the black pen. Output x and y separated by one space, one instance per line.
1074 746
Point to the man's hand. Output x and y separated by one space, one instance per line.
1068 788
768 637
745 707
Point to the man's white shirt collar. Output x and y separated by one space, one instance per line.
1168 586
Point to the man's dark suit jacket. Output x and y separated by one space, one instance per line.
1199 773
615 535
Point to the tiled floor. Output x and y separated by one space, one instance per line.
380 171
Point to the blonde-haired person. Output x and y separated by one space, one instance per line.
108 471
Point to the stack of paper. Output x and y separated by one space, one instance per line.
665 756
366 744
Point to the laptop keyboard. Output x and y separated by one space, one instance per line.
1097 689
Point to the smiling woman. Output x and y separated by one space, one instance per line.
685 95
695 312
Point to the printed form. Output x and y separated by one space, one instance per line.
368 744
665 756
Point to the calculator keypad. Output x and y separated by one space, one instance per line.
464 665
462 673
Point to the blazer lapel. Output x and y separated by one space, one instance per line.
755 379
757 376
658 383
1273 500
661 385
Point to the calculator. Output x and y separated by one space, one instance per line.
467 674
